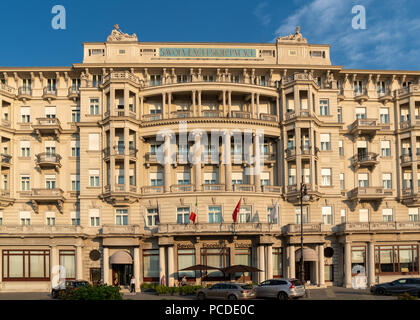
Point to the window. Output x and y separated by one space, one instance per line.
265 178
327 217
25 114
186 258
210 177
277 261
183 178
387 215
292 176
150 265
96 80
363 215
50 148
155 79
26 265
50 112
324 109
25 218
387 180
342 184
305 215
94 178
182 78
329 273
237 178
381 87
121 217
94 141
384 115
50 181
51 85
358 87
343 215
75 182
385 148
339 115
68 261
94 106
208 78
325 141
27 84
1 218
276 218
75 148
75 218
50 216
358 257
183 215
326 176
75 114
413 214
245 214
340 148
243 256
363 179
407 180
75 84
402 259
156 178
25 148
215 257
360 113
25 182
94 216
152 217
215 214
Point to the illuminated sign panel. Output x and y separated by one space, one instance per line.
208 52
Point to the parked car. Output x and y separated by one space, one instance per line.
68 285
231 291
400 286
282 289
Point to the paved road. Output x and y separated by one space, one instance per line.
331 293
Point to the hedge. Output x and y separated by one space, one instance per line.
89 292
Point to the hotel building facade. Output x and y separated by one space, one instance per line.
83 184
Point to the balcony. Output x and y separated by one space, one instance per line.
368 160
294 228
211 114
271 189
6 160
269 159
150 158
385 97
47 126
152 190
210 158
45 196
218 228
413 226
152 117
364 127
46 231
299 114
244 187
24 93
73 93
409 197
182 114
180 188
122 76
367 193
293 193
290 153
5 199
406 160
361 96
298 76
7 90
119 152
214 187
49 93
119 195
241 114
48 160
268 117
128 230
413 89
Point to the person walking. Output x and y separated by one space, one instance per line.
184 280
133 284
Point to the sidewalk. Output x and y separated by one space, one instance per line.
339 293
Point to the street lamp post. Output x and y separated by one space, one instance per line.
303 197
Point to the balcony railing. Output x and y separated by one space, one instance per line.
46 158
122 75
182 114
46 193
152 117
73 92
271 189
182 188
241 114
40 229
298 76
308 227
25 91
405 158
48 122
300 113
244 187
212 228
364 126
367 193
120 230
5 158
152 189
212 114
47 91
6 88
411 89
268 117
365 159
375 226
4 193
214 187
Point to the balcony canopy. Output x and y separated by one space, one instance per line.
308 255
121 257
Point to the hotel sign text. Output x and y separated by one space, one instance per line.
207 52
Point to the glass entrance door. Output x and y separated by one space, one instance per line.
121 274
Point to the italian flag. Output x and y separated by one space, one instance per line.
193 214
236 211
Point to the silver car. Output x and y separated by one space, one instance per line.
282 289
230 291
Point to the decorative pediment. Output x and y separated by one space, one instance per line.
295 37
118 35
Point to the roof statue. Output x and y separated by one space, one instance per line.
296 37
118 35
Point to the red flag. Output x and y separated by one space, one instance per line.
192 216
235 212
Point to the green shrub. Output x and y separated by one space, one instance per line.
189 290
147 286
89 292
162 289
173 290
406 296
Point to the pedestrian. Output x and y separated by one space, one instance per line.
184 280
133 284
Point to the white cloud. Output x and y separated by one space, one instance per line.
390 41
261 15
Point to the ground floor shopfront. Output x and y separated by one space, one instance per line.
36 263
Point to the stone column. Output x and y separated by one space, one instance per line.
111 101
224 103
111 157
412 107
171 269
169 103
199 103
253 104
230 103
228 161
321 266
162 265
79 261
269 261
261 263
164 114
292 273
257 164
347 265
167 164
194 112
55 267
141 111
197 164
106 265
278 108
126 102
371 264
414 157
279 166
298 158
137 267
258 105
126 160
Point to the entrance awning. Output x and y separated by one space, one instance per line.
308 255
121 257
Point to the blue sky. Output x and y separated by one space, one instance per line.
390 41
